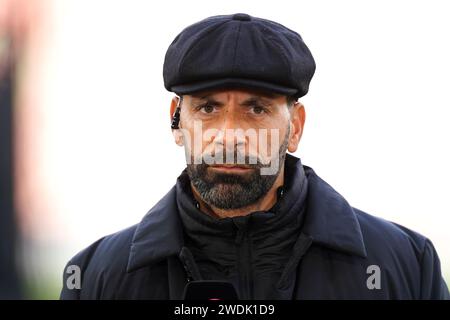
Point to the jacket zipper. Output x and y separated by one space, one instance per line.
245 267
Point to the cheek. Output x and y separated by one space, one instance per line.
187 129
267 143
264 122
276 119
197 140
277 127
271 144
185 118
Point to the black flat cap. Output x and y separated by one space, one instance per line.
238 50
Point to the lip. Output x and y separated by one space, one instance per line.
230 168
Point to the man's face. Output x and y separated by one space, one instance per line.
235 143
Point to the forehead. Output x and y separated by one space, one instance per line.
240 94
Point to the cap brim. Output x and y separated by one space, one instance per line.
232 83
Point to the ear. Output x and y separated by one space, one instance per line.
177 134
173 106
297 123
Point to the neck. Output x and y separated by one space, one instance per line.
263 204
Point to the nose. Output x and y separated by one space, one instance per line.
230 134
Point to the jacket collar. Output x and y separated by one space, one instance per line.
159 234
330 221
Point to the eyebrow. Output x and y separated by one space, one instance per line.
256 100
201 95
251 100
208 99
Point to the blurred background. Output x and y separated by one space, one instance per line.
85 142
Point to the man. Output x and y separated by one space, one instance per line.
244 212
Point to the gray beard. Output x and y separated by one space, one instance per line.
232 191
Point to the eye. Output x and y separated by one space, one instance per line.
206 108
256 109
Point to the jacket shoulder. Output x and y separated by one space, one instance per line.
106 256
406 257
381 232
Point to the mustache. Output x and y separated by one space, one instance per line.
249 161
